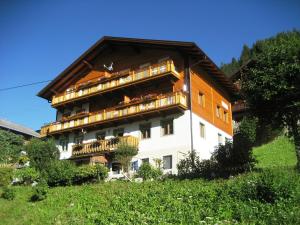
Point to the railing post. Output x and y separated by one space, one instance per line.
150 71
168 65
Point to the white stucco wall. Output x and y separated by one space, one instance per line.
177 144
205 146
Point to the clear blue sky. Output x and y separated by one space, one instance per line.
39 39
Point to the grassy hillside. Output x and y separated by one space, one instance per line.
278 153
266 197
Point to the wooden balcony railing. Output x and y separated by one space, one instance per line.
119 80
103 145
119 112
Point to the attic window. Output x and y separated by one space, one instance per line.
218 111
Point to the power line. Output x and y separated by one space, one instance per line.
24 85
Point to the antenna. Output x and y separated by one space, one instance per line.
110 67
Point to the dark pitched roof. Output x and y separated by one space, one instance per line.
189 48
18 128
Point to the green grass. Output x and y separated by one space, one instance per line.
239 200
278 153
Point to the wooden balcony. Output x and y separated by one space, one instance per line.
174 100
108 145
116 81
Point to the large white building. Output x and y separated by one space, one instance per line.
164 97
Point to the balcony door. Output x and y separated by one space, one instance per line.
118 132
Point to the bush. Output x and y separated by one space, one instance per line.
6 176
41 153
192 167
11 146
124 154
233 159
146 171
40 191
8 193
27 175
236 157
269 186
60 173
102 172
89 173
229 159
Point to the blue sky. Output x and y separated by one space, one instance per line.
39 39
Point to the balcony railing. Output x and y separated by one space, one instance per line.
119 112
103 145
117 80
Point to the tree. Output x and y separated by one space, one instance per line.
41 153
236 157
272 84
245 55
10 146
230 68
124 154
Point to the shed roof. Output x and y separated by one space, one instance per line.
17 127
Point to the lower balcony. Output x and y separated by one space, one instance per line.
172 102
103 146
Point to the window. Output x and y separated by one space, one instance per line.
116 167
218 111
167 127
167 162
78 138
145 130
220 139
118 132
201 99
227 140
100 136
134 165
202 130
64 143
145 160
226 116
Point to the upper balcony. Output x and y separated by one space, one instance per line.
136 108
116 81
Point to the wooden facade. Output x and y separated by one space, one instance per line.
212 101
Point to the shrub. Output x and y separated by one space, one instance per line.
41 153
88 173
267 186
102 172
192 167
60 173
8 193
27 175
124 154
187 167
40 191
11 146
6 175
146 171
